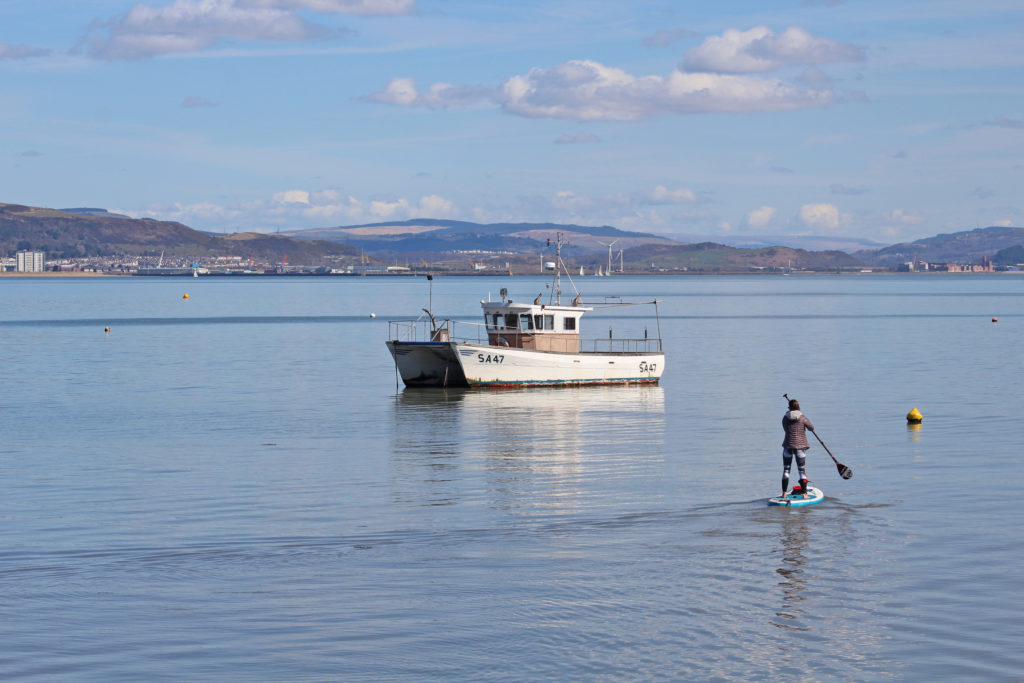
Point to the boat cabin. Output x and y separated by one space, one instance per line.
533 326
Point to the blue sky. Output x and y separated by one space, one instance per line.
882 120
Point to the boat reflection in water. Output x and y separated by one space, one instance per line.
546 452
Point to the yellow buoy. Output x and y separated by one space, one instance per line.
914 416
185 297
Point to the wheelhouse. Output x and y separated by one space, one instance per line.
534 326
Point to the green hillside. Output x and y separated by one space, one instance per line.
62 234
711 257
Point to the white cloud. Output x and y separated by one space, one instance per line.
388 210
403 92
191 25
820 216
292 197
290 209
434 206
662 194
760 50
590 91
332 206
758 218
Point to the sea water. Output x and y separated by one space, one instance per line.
233 486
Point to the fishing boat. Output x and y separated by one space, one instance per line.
523 344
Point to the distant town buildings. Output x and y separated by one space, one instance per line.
921 266
30 261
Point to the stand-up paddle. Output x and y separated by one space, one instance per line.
844 471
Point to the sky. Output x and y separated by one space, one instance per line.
883 120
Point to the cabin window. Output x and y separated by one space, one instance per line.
549 322
511 321
525 322
497 320
570 324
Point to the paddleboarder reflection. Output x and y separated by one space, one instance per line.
795 445
794 540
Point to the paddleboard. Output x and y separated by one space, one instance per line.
813 496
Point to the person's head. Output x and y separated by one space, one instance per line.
794 404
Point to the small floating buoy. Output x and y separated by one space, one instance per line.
107 329
373 315
914 416
995 320
185 297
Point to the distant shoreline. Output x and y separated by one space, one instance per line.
59 274
80 274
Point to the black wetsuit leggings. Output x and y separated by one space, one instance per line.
787 461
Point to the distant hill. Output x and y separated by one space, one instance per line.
434 235
959 247
95 232
422 236
808 242
711 257
89 232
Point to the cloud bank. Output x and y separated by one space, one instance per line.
715 77
584 90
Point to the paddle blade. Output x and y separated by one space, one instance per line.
844 471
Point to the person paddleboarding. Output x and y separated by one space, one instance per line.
795 445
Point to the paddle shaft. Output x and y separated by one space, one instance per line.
825 447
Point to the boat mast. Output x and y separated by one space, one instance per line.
558 269
556 285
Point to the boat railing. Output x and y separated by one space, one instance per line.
446 330
476 333
619 345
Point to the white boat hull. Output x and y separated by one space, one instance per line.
467 364
427 364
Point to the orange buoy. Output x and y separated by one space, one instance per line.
185 297
995 320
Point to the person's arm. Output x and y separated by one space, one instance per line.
807 423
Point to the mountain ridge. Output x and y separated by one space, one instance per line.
92 232
64 234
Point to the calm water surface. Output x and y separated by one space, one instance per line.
232 487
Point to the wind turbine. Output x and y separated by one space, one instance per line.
609 245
